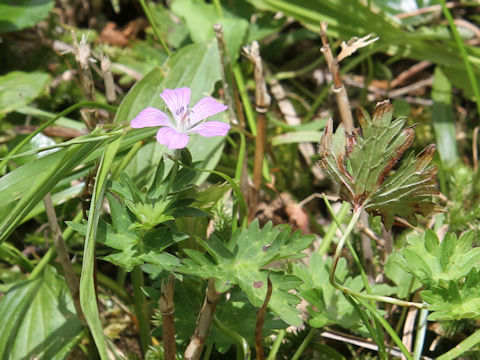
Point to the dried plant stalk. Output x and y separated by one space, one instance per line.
63 257
232 97
262 103
106 65
341 95
82 56
197 342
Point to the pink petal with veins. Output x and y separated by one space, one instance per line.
206 107
172 138
211 128
149 117
177 100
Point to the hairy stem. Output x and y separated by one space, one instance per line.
197 342
166 305
262 102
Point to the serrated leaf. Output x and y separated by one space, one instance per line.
134 247
362 162
241 261
329 306
450 260
457 301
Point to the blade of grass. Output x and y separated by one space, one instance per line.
46 124
387 327
463 53
87 286
72 158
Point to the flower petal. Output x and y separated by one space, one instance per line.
172 138
211 128
177 101
150 117
206 107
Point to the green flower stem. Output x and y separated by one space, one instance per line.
295 73
241 341
126 160
121 277
396 339
403 315
364 317
91 104
140 308
338 218
350 247
276 344
247 105
459 349
152 22
304 344
420 337
341 243
238 175
208 351
381 340
316 103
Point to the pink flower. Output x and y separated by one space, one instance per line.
174 133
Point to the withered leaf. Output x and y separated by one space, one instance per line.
362 162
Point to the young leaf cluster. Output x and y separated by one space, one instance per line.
449 270
361 164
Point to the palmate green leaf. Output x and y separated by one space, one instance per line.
436 263
241 262
459 300
362 162
38 319
328 305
